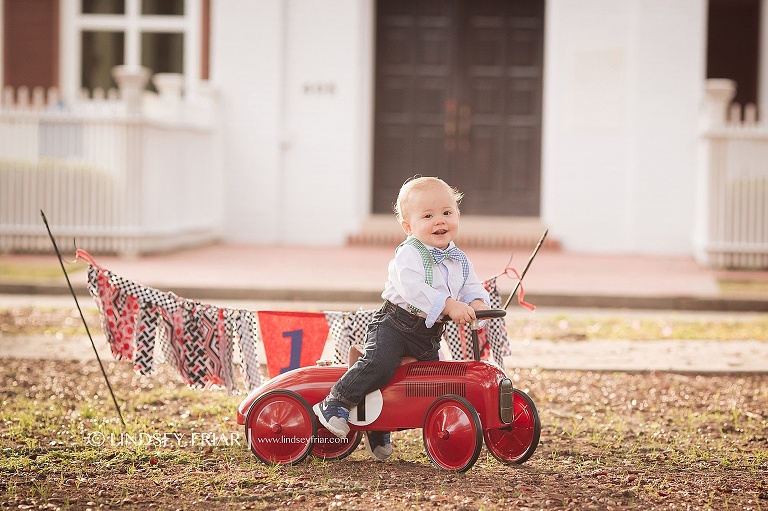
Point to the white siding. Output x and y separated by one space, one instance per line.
295 78
623 81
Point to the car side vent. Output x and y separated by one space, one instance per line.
452 369
434 389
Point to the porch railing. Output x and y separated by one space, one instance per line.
732 217
126 173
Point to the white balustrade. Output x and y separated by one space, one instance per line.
732 215
117 180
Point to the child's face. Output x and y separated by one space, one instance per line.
432 216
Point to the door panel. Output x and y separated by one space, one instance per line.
458 95
415 76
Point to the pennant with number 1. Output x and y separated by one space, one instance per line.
292 339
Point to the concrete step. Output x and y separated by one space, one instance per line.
475 231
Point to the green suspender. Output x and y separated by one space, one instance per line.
426 257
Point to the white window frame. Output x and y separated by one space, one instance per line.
132 23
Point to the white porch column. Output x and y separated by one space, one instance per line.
710 175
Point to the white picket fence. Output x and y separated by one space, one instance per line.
128 176
733 183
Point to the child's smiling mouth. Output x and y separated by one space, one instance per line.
440 232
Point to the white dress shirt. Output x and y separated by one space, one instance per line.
406 283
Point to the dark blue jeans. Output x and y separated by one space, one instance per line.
393 333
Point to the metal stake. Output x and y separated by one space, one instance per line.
93 344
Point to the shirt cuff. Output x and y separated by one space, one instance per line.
438 305
471 297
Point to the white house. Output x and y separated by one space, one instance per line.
581 116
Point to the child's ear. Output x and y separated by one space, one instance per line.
406 227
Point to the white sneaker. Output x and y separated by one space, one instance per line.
333 415
378 445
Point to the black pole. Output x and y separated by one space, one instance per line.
87 330
525 270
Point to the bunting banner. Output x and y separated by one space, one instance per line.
204 343
146 326
348 329
292 339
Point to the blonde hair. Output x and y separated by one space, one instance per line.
417 183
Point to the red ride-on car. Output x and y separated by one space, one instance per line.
456 403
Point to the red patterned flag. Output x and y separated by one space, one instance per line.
292 339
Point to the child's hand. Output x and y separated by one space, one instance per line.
458 311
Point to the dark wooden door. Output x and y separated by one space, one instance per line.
458 95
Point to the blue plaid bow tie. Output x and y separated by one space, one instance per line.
452 253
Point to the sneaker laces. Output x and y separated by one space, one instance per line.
337 410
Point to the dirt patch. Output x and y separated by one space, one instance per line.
609 441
